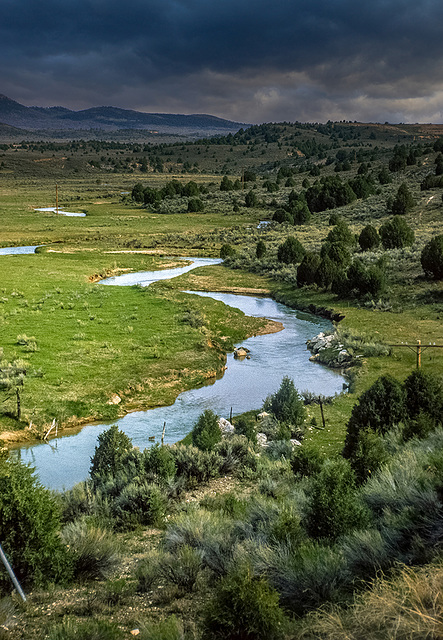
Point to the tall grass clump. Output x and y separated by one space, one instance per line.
71 629
168 629
407 606
95 550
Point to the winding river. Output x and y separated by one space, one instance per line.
65 461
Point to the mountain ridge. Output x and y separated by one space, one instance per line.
107 118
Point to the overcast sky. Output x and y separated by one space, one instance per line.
245 60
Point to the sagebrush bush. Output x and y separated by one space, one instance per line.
95 550
147 571
244 606
195 465
235 454
182 567
83 499
140 503
306 576
208 533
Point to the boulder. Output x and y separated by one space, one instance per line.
114 399
240 352
262 440
225 426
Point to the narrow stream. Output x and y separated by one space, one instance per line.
244 386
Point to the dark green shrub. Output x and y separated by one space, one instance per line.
251 199
334 507
421 426
307 269
424 394
341 233
366 280
334 219
206 431
379 408
369 455
328 193
403 201
260 249
113 445
96 551
227 251
226 184
245 427
291 251
151 196
306 461
432 258
190 190
362 185
281 215
195 205
300 212
384 176
244 607
159 462
286 404
396 233
338 252
137 192
369 238
328 271
29 529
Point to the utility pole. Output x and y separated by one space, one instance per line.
56 198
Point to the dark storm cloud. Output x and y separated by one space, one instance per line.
244 59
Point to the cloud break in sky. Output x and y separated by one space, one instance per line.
245 60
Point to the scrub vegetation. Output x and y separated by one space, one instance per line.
331 530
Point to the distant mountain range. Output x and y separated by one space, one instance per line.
110 119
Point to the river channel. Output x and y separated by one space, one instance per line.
65 461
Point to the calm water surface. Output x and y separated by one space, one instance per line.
244 386
10 251
61 212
